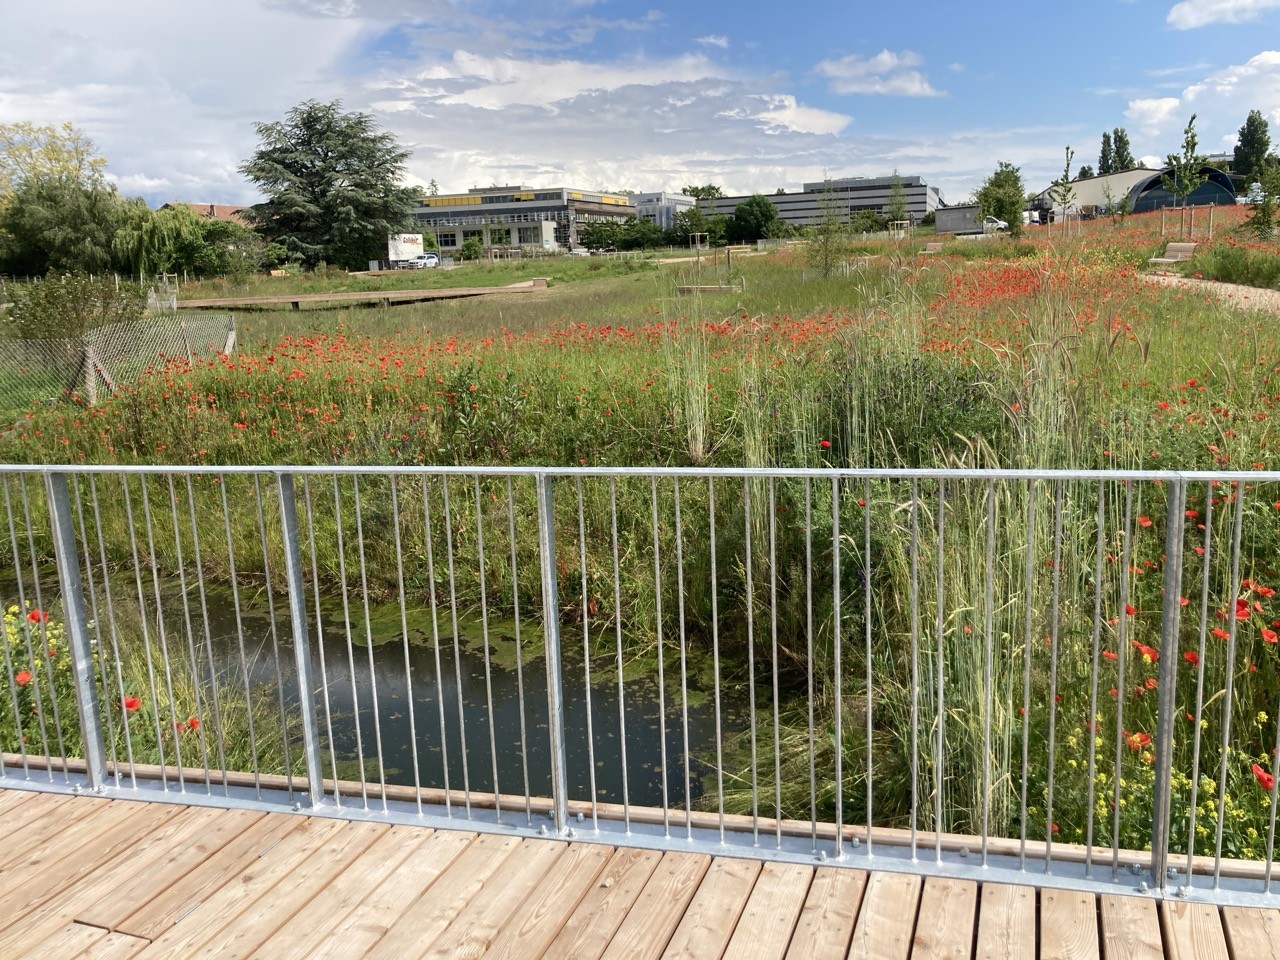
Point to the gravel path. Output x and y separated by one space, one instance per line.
1233 294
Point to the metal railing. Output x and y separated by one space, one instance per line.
1068 677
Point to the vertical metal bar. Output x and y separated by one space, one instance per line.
1028 614
586 656
1228 697
324 667
275 635
214 699
1166 708
622 699
76 623
161 634
748 562
1126 554
1094 657
940 676
715 654
915 664
435 644
1200 667
870 692
515 615
1055 622
835 652
808 665
351 654
551 637
27 628
484 636
301 640
99 647
662 680
368 636
988 665
684 664
235 603
457 644
113 632
392 480
180 563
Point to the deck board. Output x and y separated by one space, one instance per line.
114 879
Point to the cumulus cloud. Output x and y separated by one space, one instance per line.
1153 114
784 115
715 40
887 74
1190 14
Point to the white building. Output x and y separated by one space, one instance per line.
661 208
847 196
545 217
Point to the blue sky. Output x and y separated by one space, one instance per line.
618 94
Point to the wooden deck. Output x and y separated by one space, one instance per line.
90 877
386 297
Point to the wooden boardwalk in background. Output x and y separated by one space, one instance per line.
387 297
96 878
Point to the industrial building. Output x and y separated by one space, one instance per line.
506 217
1144 188
847 196
661 208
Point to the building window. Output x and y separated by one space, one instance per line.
531 236
447 239
472 235
500 236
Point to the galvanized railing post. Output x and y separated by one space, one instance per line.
76 621
551 634
1166 708
301 640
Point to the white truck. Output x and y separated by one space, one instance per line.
403 248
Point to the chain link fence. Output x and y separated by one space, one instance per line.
105 358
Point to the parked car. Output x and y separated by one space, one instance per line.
991 224
422 261
579 252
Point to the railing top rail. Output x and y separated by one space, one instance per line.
800 473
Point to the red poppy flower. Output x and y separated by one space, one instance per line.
1192 658
1265 780
193 724
38 616
1137 741
825 444
22 677
1149 654
1269 635
1130 609
132 703
1144 521
1110 655
1220 633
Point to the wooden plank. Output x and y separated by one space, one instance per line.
304 879
312 925
119 873
712 916
9 799
946 920
1006 922
1130 929
587 932
432 912
471 932
80 851
643 935
70 940
765 927
176 889
114 946
830 910
51 814
886 921
543 916
206 919
375 914
1192 931
1068 925
1252 932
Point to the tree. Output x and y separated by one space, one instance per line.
708 191
148 243
29 152
1062 192
66 306
1117 209
1002 196
1251 148
896 208
433 188
1122 158
1262 224
1106 157
829 240
332 185
753 219
58 224
1085 172
472 249
1185 170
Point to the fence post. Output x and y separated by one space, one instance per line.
301 640
551 635
1166 708
84 676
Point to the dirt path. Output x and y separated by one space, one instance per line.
1233 294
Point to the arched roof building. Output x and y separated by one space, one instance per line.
1145 189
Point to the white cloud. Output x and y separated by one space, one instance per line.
1190 14
784 115
715 40
1151 161
1153 115
887 73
